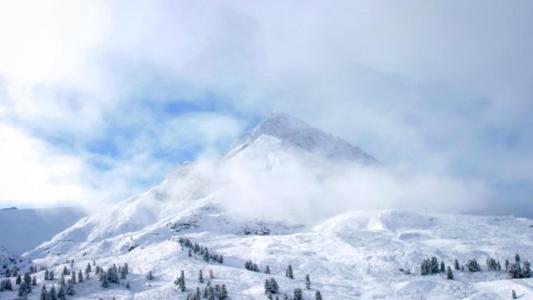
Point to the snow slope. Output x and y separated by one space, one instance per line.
24 229
352 255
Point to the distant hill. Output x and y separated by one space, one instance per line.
22 230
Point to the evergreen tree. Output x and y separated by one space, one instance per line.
211 276
200 277
105 282
492 265
149 276
514 271
307 282
65 271
52 295
526 270
267 287
506 265
180 282
517 258
198 295
274 287
298 294
434 265
18 280
44 293
267 270
449 274
442 267
70 288
88 268
61 294
128 285
73 277
80 276
62 280
513 294
223 293
34 280
289 273
51 276
318 296
456 265
46 276
473 265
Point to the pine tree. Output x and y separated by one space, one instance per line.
517 258
506 265
298 294
105 282
73 277
289 273
514 271
80 277
267 270
223 294
198 293
128 285
442 267
456 265
65 271
44 293
46 275
149 276
318 296
274 287
61 294
526 270
88 268
180 282
18 280
268 287
449 274
307 282
473 265
211 276
52 295
200 277
70 288
34 280
513 294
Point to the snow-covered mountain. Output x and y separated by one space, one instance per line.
24 229
264 201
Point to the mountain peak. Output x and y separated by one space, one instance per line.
296 132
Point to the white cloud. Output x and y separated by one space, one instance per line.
34 174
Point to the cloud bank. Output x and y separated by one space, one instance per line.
125 89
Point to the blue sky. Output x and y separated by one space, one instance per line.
99 101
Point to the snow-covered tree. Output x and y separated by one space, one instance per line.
34 280
456 265
473 265
18 280
65 270
289 272
526 269
80 276
318 296
267 270
103 278
449 273
514 270
128 286
44 293
298 294
442 267
517 258
307 282
52 294
200 277
149 276
513 294
62 294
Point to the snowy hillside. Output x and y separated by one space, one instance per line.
24 229
265 203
